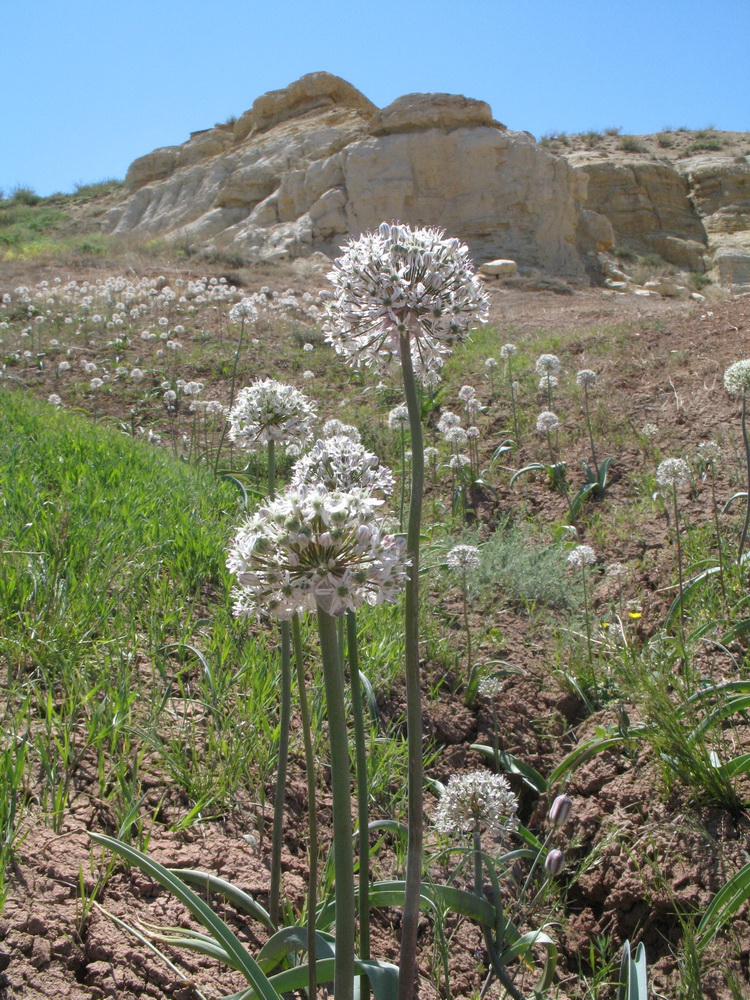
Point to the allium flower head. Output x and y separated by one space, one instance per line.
490 687
471 801
54 400
398 418
403 281
243 311
336 428
490 363
582 555
463 557
312 548
547 421
673 473
342 464
649 431
737 378
267 411
507 351
548 382
547 364
709 451
448 420
586 378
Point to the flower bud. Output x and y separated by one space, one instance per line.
555 862
560 810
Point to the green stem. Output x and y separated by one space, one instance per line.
718 535
363 795
410 920
586 612
591 435
285 714
471 683
679 568
743 537
497 968
343 861
403 478
312 814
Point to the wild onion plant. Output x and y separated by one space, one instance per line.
737 383
405 296
462 559
671 474
581 558
268 413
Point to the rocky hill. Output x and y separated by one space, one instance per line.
309 165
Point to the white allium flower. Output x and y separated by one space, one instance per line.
137 374
448 420
471 801
339 463
398 418
709 451
244 310
458 462
582 555
456 436
673 473
308 347
406 281
267 411
307 375
649 431
63 366
547 364
737 378
96 383
466 393
215 408
507 351
586 378
174 345
193 388
312 548
490 363
463 558
547 421
430 454
473 433
490 687
54 400
548 382
336 428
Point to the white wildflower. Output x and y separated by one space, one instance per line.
582 555
673 473
463 558
547 421
267 411
471 801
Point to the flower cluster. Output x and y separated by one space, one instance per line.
403 282
673 473
586 378
267 411
582 555
547 365
471 801
340 463
311 548
547 421
463 558
737 378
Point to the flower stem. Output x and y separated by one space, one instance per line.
312 815
679 568
410 920
343 862
718 535
285 714
231 395
363 794
588 617
591 435
743 537
281 769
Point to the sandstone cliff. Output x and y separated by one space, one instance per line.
316 162
313 163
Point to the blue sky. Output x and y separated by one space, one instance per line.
89 86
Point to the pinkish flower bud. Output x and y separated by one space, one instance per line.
560 810
555 862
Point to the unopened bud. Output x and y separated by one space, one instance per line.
555 862
560 810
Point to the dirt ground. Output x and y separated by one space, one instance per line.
651 855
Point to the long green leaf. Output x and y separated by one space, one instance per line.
200 910
288 940
687 590
523 945
723 906
212 883
534 467
514 766
581 754
382 975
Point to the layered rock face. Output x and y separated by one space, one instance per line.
693 212
314 163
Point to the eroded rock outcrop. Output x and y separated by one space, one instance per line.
309 165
